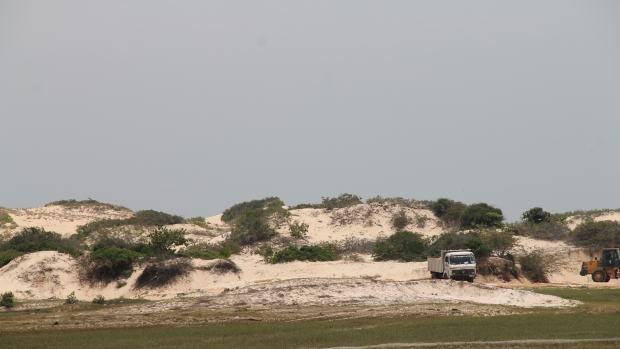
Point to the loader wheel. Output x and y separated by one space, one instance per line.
599 276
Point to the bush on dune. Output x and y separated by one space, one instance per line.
405 246
481 215
448 211
7 256
33 239
146 218
252 227
164 272
210 251
5 217
72 203
599 234
342 201
269 204
536 265
305 253
536 215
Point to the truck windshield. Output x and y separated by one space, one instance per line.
464 259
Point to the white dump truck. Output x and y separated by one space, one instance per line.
453 264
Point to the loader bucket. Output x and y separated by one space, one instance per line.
583 271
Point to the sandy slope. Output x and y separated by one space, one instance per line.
61 219
53 275
610 216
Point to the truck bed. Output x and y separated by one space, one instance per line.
435 264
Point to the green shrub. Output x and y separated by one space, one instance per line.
552 231
99 300
342 201
536 215
479 247
71 298
72 203
153 218
301 206
5 218
107 264
33 239
500 241
199 221
305 253
265 251
146 218
403 245
206 251
400 220
536 265
114 258
121 283
252 227
449 241
163 240
481 215
593 234
298 230
448 211
269 204
7 256
398 201
8 300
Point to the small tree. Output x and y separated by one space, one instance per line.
536 215
8 300
252 227
298 230
162 239
99 300
500 241
403 245
71 298
536 265
481 215
479 247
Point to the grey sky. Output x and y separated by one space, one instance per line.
190 107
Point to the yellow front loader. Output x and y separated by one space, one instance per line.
605 268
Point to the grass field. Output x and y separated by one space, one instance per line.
598 318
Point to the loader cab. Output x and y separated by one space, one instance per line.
611 258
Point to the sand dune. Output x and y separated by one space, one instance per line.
48 274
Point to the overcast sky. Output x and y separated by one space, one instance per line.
189 107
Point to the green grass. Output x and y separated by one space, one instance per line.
588 296
537 324
321 334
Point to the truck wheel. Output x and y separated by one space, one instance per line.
599 276
470 280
